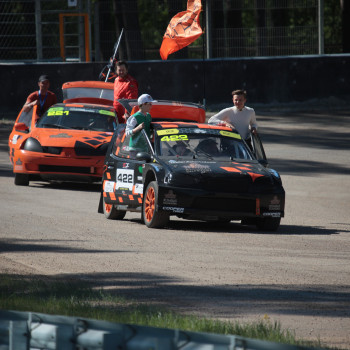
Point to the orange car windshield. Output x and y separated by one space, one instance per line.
79 119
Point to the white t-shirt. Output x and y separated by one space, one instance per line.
242 120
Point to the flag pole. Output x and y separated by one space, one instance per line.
203 51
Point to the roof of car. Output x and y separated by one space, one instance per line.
169 125
83 105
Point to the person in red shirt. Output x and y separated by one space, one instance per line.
125 86
43 98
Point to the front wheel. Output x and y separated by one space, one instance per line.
268 224
151 216
111 213
21 179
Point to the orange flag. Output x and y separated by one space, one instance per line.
183 29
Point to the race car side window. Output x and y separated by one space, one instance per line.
130 145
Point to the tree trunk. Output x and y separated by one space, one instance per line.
261 44
345 10
131 46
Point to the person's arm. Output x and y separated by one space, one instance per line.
253 123
30 103
222 118
131 127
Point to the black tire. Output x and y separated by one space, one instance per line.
268 224
111 213
21 179
151 216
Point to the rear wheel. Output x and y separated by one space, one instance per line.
111 213
151 216
268 224
21 179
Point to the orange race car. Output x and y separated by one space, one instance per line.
70 141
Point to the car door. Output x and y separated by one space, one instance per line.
259 151
124 173
25 122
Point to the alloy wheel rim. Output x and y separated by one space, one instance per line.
149 207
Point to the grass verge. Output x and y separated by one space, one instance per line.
70 298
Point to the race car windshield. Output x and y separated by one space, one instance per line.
78 119
202 145
87 92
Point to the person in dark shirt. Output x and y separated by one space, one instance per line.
43 98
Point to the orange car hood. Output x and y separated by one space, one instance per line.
68 138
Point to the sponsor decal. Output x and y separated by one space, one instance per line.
230 134
174 209
197 168
172 161
273 215
122 207
138 188
170 198
61 136
139 178
275 204
125 179
108 186
167 132
15 138
126 165
102 111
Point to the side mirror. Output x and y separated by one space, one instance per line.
143 156
264 163
21 127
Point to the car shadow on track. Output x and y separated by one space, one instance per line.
235 227
68 186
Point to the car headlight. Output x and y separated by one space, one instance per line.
275 175
33 145
168 178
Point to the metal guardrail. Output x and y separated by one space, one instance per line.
27 330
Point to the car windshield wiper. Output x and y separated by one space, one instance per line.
54 126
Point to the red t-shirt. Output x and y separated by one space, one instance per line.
43 102
128 88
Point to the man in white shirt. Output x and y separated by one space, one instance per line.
239 117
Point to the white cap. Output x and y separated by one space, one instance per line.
144 99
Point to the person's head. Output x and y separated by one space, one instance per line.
145 103
44 83
121 68
208 146
239 98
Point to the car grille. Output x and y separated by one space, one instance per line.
225 184
64 169
52 150
85 149
225 204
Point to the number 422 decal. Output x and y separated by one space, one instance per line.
125 179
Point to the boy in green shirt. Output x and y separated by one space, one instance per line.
138 121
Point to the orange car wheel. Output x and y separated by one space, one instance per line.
111 213
151 216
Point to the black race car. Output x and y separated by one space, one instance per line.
193 171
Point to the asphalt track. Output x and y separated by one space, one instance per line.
299 276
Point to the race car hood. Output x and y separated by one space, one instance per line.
69 138
225 176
